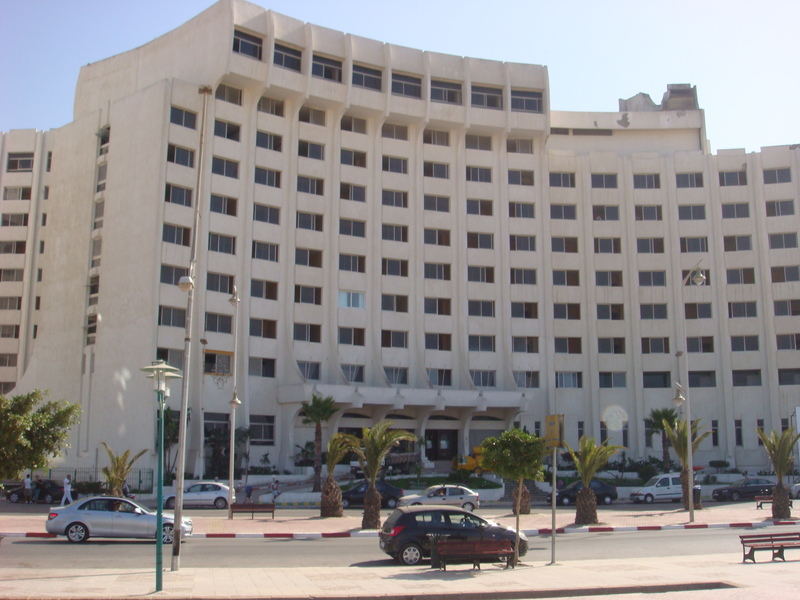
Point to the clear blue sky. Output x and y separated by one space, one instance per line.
741 55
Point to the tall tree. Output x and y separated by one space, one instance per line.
118 469
331 502
371 450
32 431
317 412
780 450
514 455
677 437
655 424
589 459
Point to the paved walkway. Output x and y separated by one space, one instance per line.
721 577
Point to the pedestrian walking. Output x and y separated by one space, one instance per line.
67 497
248 493
275 491
37 488
27 488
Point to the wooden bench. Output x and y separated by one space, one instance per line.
762 500
252 508
474 551
775 542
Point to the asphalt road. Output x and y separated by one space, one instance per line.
339 552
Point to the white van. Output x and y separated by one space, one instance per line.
660 488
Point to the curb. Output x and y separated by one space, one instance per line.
374 532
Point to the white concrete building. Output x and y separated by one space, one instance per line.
417 235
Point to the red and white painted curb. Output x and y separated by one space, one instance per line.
365 533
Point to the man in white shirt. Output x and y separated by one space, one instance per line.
27 489
67 497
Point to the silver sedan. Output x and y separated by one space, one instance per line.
108 516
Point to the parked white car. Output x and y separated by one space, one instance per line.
203 493
659 489
456 495
795 493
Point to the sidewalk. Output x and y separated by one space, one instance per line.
721 577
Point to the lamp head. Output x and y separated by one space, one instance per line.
186 283
698 277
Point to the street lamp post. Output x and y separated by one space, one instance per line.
159 372
234 300
696 277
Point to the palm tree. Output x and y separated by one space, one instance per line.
331 502
118 469
780 449
317 412
589 459
677 437
371 450
514 455
655 424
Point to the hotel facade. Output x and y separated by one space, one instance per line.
418 235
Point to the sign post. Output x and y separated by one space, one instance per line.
554 438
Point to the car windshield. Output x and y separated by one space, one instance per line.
652 481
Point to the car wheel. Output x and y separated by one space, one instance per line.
391 503
607 499
410 554
468 506
76 533
345 503
48 498
220 503
14 497
167 533
735 496
564 501
170 503
523 547
648 499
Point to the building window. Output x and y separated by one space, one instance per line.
524 310
264 251
218 282
567 345
438 341
310 185
171 275
178 195
650 245
566 277
522 243
647 213
782 241
267 177
308 370
783 175
445 91
314 116
611 312
437 306
697 310
310 150
306 294
780 208
605 213
689 180
439 271
218 323
524 344
262 427
270 106
702 379
436 170
524 101
179 156
175 234
286 57
520 177
394 198
785 308
518 210
224 129
367 78
11 247
394 164
692 212
406 85
249 45
352 227
183 117
527 379
482 378
520 276
262 288
728 178
350 191
440 377
563 211
221 243
519 145
269 141
784 274
744 343
569 379
307 332
396 375
19 162
351 299
646 181
612 379
694 244
788 376
308 257
480 240
652 278
735 210
787 341
479 207
607 245
14 220
608 278
700 344
566 310
655 345
487 97
394 303
393 131
656 379
266 214
653 311
746 377
604 180
437 237
742 275
353 373
435 137
479 174
225 167
17 193
565 180
611 345
310 221
326 68
223 205
394 339
742 309
352 262
171 316
564 244
354 124
481 343
480 308
394 233
394 267
229 94
478 142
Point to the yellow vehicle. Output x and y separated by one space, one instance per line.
472 463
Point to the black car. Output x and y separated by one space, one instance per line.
744 488
404 535
605 492
50 492
355 495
